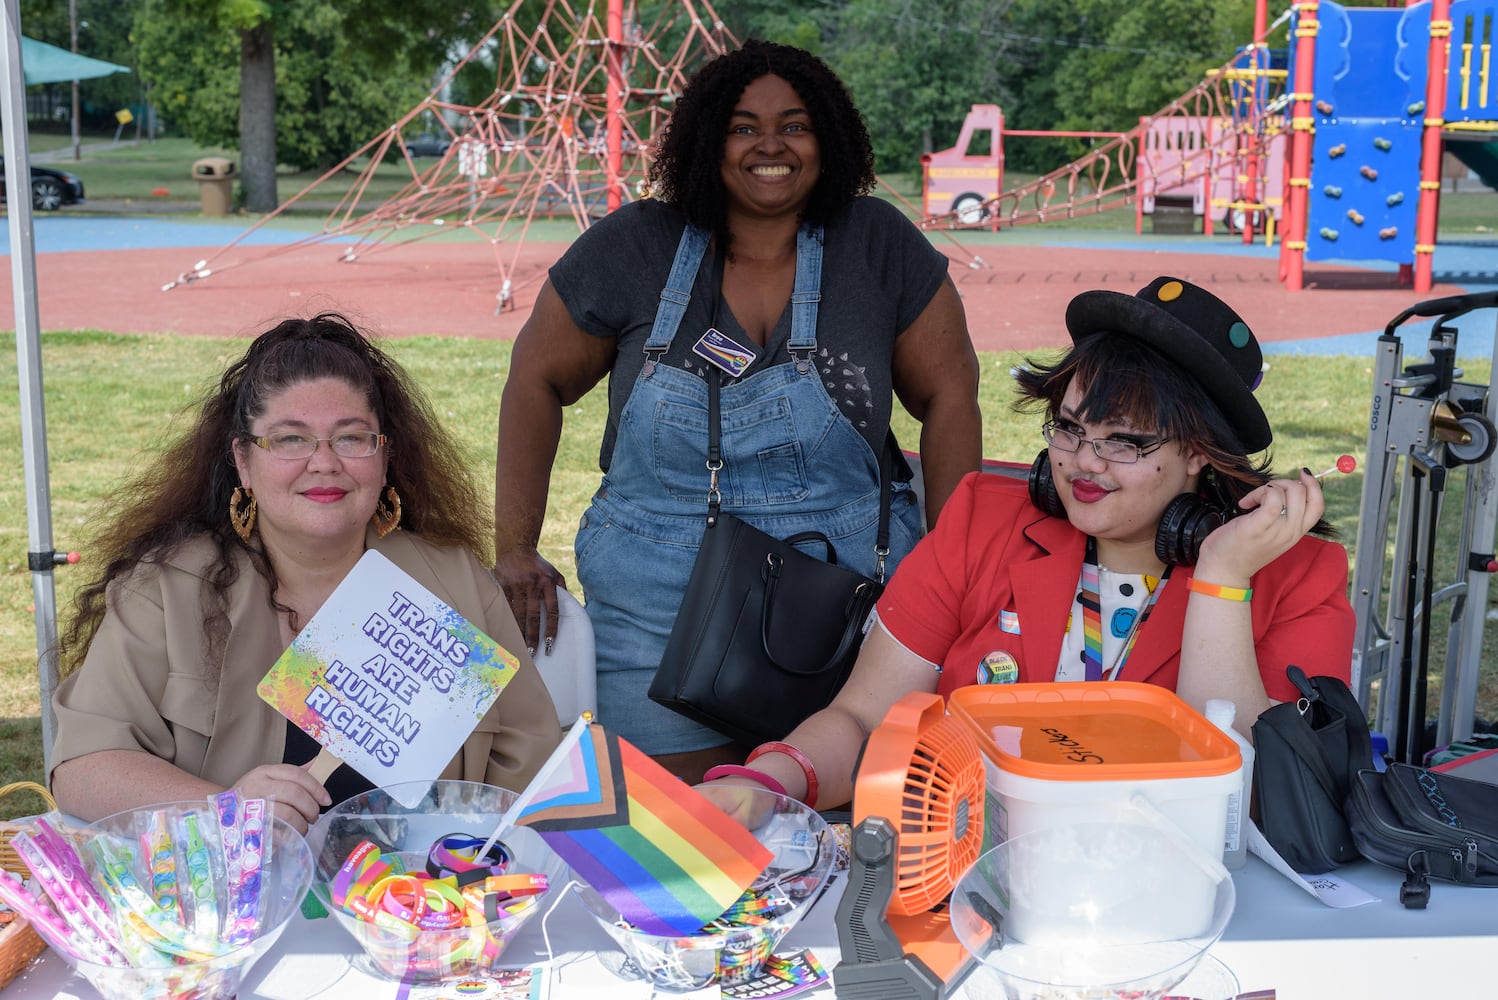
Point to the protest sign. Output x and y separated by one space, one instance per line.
388 677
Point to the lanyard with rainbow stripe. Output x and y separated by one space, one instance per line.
1092 618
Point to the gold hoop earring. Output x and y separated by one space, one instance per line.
387 512
242 512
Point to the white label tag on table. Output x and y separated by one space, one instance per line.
1331 889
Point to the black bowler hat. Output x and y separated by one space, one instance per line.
1196 330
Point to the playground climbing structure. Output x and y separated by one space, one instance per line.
1376 92
565 133
1344 144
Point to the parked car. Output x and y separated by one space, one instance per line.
50 189
428 144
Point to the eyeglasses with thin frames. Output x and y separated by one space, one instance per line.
349 444
1108 449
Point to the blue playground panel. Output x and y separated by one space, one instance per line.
1471 91
1369 98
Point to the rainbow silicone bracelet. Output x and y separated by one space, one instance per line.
455 855
1217 590
358 872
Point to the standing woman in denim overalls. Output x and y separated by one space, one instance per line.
760 181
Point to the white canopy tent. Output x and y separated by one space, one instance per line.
41 557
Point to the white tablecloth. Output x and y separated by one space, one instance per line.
1280 938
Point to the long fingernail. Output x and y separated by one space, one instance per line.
548 646
531 650
1306 470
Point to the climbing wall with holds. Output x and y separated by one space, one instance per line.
1369 100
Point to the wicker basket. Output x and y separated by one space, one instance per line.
19 942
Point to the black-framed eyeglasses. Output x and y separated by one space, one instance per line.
1110 449
349 444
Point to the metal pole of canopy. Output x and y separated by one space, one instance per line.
41 557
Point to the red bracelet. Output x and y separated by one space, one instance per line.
735 771
807 770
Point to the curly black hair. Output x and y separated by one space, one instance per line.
184 493
689 153
1122 376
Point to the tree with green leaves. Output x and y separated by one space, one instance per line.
915 67
103 28
315 79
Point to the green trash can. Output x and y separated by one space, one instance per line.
215 177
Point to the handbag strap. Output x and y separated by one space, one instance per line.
854 614
715 465
714 417
1310 753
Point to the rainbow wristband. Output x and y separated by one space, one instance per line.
1219 591
455 856
736 771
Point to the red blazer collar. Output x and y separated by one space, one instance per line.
1043 589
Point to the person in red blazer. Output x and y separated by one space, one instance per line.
1149 544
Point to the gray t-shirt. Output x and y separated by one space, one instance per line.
878 273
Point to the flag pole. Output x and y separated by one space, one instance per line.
543 776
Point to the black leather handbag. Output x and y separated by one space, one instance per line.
767 633
1307 755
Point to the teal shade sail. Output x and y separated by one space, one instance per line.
45 63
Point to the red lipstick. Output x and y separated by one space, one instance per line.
1087 491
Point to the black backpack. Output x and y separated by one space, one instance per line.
1427 824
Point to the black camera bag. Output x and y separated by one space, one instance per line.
1427 824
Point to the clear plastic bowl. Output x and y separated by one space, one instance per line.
440 808
1107 909
804 855
285 875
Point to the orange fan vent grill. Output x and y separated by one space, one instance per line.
928 779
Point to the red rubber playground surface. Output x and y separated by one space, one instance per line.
1016 302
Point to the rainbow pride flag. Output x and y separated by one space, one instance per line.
659 852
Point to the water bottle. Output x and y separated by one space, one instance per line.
1220 712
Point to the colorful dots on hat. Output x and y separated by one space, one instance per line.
1239 335
1170 291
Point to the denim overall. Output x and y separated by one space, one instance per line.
791 462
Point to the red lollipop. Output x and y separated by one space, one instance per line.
1345 464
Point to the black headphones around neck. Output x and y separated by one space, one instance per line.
1187 520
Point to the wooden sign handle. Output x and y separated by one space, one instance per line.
323 766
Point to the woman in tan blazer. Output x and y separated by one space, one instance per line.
313 448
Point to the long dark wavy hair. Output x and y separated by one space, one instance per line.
185 492
1122 376
689 153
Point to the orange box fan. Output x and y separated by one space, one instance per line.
918 825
